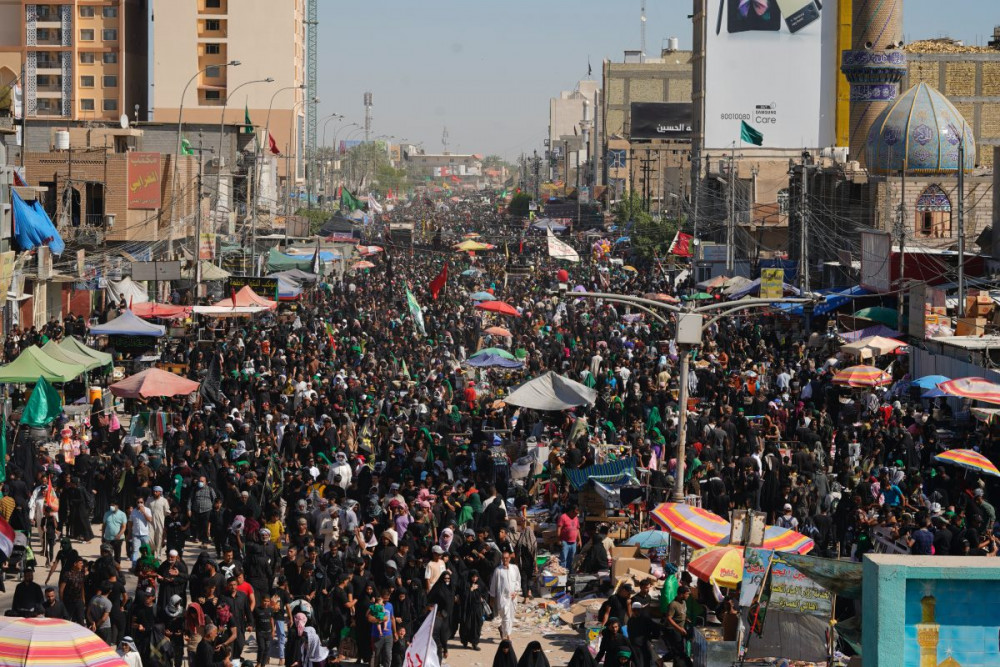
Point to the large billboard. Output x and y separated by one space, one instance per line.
660 120
143 180
772 64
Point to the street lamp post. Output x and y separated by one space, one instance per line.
288 155
313 181
177 153
335 148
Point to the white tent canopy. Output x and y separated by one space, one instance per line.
132 291
551 392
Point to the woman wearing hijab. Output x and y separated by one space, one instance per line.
505 656
582 658
533 656
443 595
311 651
447 538
472 602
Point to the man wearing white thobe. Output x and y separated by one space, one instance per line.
504 587
159 507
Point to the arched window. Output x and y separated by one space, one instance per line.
933 213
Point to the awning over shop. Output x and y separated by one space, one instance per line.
74 345
609 473
247 297
32 364
68 356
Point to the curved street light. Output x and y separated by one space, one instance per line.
222 119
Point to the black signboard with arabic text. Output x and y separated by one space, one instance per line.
660 120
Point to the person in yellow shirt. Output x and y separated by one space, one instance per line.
273 524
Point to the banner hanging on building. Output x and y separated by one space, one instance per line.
660 120
772 283
144 181
206 246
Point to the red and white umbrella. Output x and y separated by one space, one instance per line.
973 388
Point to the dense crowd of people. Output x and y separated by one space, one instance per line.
342 472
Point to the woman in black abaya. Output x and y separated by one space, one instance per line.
533 656
505 656
78 512
471 601
582 658
443 595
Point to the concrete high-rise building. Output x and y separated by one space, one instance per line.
196 38
75 59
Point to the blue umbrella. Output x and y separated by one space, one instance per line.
482 296
472 272
934 393
929 381
492 361
622 239
649 539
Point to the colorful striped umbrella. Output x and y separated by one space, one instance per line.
52 642
785 539
691 525
498 307
362 264
862 376
970 460
722 566
498 331
977 389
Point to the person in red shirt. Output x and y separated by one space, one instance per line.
569 534
470 395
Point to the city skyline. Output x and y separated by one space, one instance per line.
456 65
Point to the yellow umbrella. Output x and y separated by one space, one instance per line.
629 267
472 246
721 565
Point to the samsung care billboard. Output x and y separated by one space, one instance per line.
772 64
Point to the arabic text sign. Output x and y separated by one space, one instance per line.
771 283
755 562
660 120
144 181
795 592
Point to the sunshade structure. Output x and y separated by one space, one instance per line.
548 223
32 364
162 310
498 307
929 381
288 290
153 382
482 296
970 460
973 388
491 360
229 311
784 539
472 273
880 314
494 351
698 296
988 415
69 356
649 539
74 345
551 392
659 296
753 287
210 272
713 283
862 376
52 642
694 526
873 346
128 324
722 566
498 331
362 264
296 276
472 246
868 332
246 297
127 289
366 250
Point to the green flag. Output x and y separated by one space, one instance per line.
415 312
349 201
43 406
3 449
186 147
246 120
750 135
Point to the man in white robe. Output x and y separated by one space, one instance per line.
504 587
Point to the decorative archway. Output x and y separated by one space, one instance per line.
933 213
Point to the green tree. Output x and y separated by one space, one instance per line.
649 237
391 178
519 204
631 208
315 216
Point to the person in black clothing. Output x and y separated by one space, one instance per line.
171 617
54 608
505 655
205 655
616 606
612 640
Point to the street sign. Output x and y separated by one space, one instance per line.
156 270
265 287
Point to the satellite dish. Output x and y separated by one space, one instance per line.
123 121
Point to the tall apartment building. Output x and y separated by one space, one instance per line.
77 59
191 42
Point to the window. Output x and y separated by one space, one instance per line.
212 72
87 13
110 81
213 25
42 34
109 35
87 58
110 58
212 49
87 104
87 35
111 105
86 82
213 4
213 95
110 12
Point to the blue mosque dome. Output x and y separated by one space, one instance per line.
919 133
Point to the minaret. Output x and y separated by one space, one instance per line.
927 632
874 66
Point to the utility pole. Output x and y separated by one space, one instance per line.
961 224
696 186
197 220
731 215
566 160
901 231
804 229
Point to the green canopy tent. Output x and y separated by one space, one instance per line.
32 364
69 356
887 316
279 261
74 345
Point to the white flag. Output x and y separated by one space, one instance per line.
561 250
422 651
373 205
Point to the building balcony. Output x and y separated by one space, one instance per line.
50 92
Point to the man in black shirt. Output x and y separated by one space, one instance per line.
54 608
617 606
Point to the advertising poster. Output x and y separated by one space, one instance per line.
755 564
206 246
143 180
772 283
773 64
660 120
794 592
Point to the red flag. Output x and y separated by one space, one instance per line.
51 499
681 245
233 292
272 146
6 537
438 283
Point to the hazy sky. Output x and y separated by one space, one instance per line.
486 69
